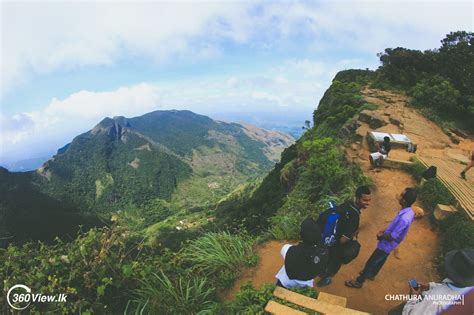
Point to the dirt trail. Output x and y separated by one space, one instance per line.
415 255
414 258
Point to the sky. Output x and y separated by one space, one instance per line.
65 65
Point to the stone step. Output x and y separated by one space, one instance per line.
312 304
280 309
332 299
443 211
394 163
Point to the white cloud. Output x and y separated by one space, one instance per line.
61 119
308 68
39 38
42 37
264 96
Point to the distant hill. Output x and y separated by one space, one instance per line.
25 165
178 157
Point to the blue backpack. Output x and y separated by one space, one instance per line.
330 224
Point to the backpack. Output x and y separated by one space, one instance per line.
430 172
350 251
328 223
305 262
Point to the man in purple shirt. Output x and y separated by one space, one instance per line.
389 239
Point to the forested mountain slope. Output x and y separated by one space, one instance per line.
162 157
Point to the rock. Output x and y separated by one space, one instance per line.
354 147
365 115
360 134
396 164
401 127
443 211
459 133
453 138
386 114
349 129
395 120
376 121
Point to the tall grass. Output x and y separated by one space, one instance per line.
161 295
286 227
217 252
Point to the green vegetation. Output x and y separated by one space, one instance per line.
161 295
95 270
218 255
339 103
433 192
149 168
458 233
130 266
184 225
439 80
217 252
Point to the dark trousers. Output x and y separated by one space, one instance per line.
373 265
334 262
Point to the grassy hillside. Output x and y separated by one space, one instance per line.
115 269
178 158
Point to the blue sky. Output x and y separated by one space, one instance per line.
66 65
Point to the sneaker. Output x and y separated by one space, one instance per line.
324 282
463 175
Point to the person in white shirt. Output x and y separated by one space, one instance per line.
454 295
304 261
377 158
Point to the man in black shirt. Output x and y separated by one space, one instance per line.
382 152
346 228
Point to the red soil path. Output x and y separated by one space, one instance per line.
413 259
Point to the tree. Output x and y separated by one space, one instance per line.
456 60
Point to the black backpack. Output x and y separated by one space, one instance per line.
305 262
349 251
429 173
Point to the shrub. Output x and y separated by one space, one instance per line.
95 270
160 295
433 192
458 233
437 93
249 300
215 253
368 106
286 227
